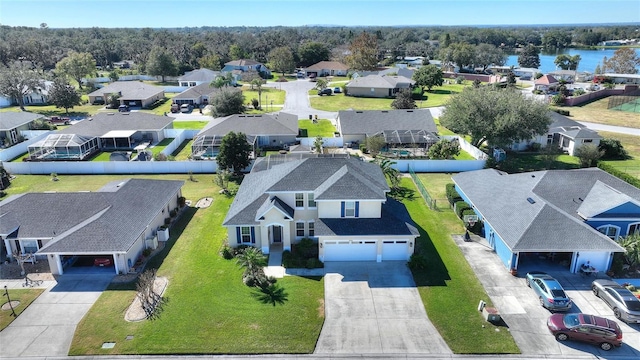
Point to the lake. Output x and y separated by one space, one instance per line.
590 59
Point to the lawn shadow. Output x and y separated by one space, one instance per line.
431 269
176 231
402 193
180 148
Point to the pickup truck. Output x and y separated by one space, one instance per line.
59 120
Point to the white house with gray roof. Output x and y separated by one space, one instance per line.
262 130
12 123
132 93
198 77
567 216
116 223
396 126
378 86
339 202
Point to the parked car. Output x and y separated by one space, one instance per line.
337 90
586 328
325 92
549 291
175 108
123 108
102 261
625 305
59 120
185 108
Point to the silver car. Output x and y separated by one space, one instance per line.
625 305
549 291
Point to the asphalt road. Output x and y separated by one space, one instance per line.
297 100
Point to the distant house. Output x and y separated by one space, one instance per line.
623 78
327 68
408 73
567 134
398 127
39 96
378 86
198 77
546 83
105 131
114 224
570 217
262 131
238 67
12 123
571 76
132 93
197 95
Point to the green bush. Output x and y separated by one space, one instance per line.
562 112
417 262
460 207
619 174
363 148
452 195
227 252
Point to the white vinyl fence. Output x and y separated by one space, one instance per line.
11 153
327 142
112 167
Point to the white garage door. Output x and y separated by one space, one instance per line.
354 250
395 250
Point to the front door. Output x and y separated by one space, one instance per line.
277 234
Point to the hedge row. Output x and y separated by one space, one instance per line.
452 195
619 174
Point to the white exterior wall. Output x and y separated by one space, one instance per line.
332 209
599 260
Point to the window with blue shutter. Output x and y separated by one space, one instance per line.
357 208
342 209
253 235
238 237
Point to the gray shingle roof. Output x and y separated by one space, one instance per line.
275 202
12 119
358 180
91 222
242 62
370 122
200 75
568 127
551 222
379 81
327 65
102 123
255 125
601 198
129 90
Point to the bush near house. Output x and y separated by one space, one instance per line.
302 255
452 194
460 207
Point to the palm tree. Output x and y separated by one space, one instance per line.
258 84
392 174
252 260
221 81
631 243
272 294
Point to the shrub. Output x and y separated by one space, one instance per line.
227 252
307 248
558 99
613 149
460 207
562 111
460 80
417 262
146 252
167 221
363 148
619 174
182 201
452 194
314 263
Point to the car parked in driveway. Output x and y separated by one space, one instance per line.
625 305
325 92
586 328
549 291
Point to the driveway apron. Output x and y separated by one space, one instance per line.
47 326
375 308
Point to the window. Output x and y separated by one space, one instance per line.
245 234
311 229
610 230
299 200
310 201
349 208
634 229
29 246
586 141
300 229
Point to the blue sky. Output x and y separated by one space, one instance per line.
195 13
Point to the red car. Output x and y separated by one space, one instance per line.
60 120
586 328
102 262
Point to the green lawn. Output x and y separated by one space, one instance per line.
189 125
448 282
164 108
183 151
101 156
156 149
24 296
630 143
436 97
50 110
322 128
268 95
20 157
525 162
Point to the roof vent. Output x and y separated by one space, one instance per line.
409 110
531 201
384 111
358 112
533 176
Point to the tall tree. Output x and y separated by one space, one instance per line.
211 62
222 80
234 153
63 95
487 55
428 76
18 80
236 52
567 62
227 101
463 54
364 52
444 149
623 61
529 57
281 60
509 118
257 84
403 100
313 52
76 66
161 63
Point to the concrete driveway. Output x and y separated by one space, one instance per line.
526 319
47 326
297 99
375 308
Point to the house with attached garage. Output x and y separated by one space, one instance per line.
197 95
566 216
238 67
327 68
198 77
12 123
114 224
262 131
378 86
339 202
131 93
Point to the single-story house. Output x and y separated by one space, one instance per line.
237 67
571 76
327 68
567 134
132 93
408 73
105 131
339 202
198 77
197 95
378 86
623 78
567 216
39 96
12 123
521 72
399 127
263 131
116 223
546 83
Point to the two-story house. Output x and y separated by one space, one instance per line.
237 67
340 202
568 216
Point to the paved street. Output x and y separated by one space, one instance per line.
297 99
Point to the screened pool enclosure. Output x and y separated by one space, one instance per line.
63 147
